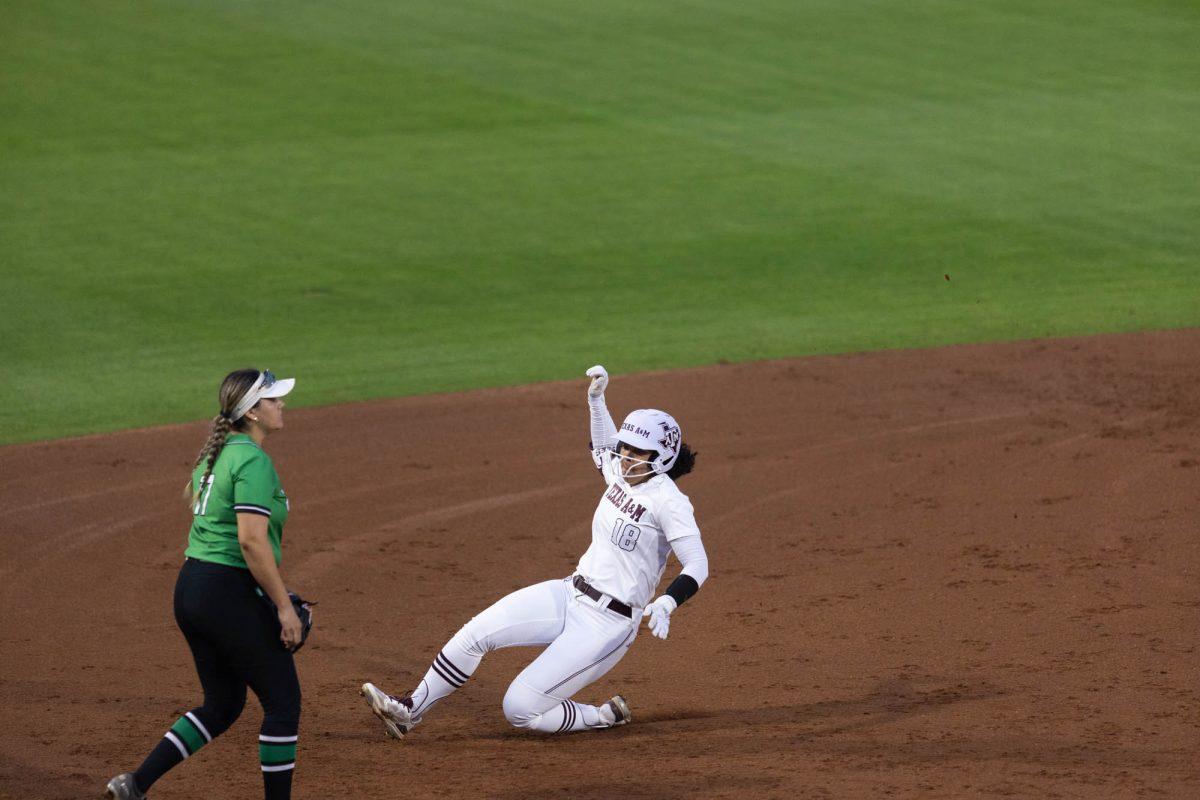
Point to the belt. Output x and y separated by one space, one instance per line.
596 594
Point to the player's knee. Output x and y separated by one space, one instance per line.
218 713
286 715
471 640
522 706
281 707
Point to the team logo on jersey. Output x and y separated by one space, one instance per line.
617 496
670 438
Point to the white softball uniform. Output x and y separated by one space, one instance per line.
633 531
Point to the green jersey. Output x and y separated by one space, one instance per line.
243 481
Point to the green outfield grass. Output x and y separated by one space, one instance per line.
386 197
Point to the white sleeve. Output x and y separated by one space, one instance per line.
604 462
677 518
690 552
604 432
604 437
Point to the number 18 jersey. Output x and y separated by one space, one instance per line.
632 531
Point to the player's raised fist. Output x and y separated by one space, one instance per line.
599 376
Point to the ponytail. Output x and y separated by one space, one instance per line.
233 388
221 426
684 462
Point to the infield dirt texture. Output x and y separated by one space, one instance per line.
965 572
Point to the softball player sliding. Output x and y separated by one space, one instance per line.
588 620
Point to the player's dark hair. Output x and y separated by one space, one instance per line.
233 389
684 462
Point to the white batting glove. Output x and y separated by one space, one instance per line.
599 376
659 613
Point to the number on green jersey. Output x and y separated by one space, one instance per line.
201 506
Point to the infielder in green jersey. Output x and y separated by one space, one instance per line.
233 553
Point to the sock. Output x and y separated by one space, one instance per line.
606 715
278 757
449 671
184 738
569 716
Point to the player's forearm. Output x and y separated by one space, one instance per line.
697 571
604 432
694 561
260 558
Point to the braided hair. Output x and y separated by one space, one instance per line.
233 389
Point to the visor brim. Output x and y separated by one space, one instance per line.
279 388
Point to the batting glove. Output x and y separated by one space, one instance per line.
599 376
659 613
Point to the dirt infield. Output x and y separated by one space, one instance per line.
963 572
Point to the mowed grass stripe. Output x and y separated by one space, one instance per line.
402 197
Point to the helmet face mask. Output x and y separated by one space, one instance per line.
634 463
651 431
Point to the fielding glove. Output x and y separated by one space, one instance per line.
303 609
599 377
659 613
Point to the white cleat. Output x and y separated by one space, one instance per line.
616 712
394 712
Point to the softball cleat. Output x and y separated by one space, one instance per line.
123 787
619 710
394 712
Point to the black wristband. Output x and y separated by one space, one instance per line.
682 588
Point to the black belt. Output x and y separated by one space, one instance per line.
596 594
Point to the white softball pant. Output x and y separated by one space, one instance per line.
583 640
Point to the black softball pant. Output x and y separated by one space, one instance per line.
234 638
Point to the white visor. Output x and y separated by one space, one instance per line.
265 386
281 387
